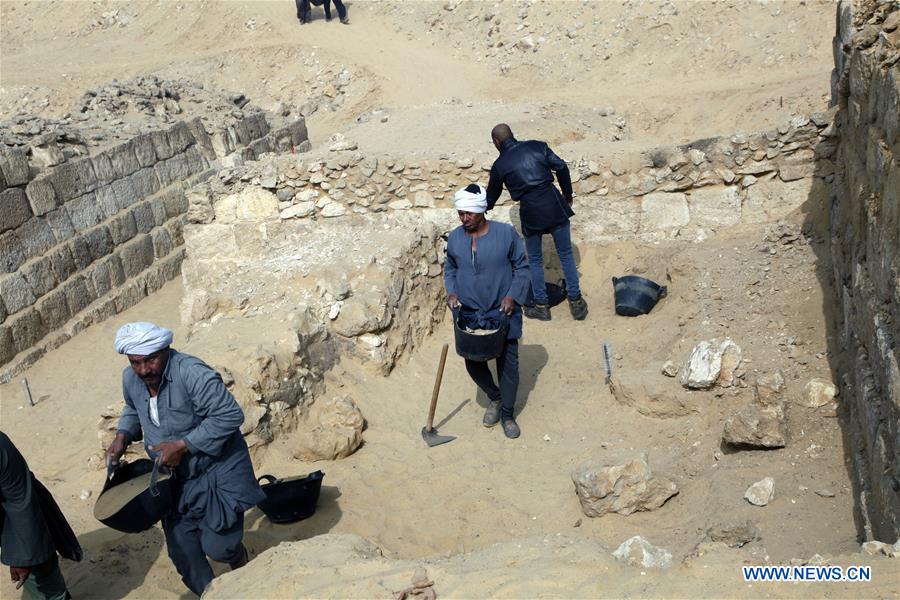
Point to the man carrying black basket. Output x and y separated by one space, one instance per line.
487 280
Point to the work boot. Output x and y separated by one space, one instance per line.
345 21
578 308
491 414
242 559
541 312
511 428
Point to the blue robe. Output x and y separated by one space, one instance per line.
496 269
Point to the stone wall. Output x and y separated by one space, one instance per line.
865 249
88 237
664 193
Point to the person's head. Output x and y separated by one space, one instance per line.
147 347
500 133
471 204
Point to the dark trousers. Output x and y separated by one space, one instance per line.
45 582
562 238
189 541
507 373
303 10
342 10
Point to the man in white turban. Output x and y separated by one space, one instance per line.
190 423
486 277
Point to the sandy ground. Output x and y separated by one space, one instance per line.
672 72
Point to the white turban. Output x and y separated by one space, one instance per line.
142 338
471 199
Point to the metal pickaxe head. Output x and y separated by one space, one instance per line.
432 438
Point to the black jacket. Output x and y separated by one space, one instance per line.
527 170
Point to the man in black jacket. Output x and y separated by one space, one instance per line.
527 169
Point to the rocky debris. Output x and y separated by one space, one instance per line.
825 493
734 536
638 552
711 363
653 399
875 547
768 390
422 587
755 427
818 393
107 427
761 493
336 431
670 369
620 488
117 111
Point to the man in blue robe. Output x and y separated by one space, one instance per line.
486 276
527 169
191 423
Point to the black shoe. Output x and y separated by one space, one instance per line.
578 308
541 312
511 428
345 21
491 414
242 559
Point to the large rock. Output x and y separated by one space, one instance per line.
734 536
817 393
638 552
761 493
336 431
756 427
620 488
769 389
711 363
250 204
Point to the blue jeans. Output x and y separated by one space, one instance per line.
562 239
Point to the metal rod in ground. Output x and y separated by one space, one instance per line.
28 391
607 351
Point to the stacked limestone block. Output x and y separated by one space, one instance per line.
865 248
660 194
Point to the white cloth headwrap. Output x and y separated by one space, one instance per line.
142 338
467 201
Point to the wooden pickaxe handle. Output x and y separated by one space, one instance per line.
437 388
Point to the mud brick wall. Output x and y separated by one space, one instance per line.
865 248
91 237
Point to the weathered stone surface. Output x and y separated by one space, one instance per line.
78 296
123 160
337 431
81 252
817 393
174 169
161 145
107 202
39 275
620 488
84 212
704 368
98 275
175 202
251 204
298 211
116 271
103 169
664 212
15 293
14 166
768 390
761 493
41 195
162 242
143 217
26 328
7 345
35 237
11 255
715 206
180 137
734 536
333 209
773 200
14 208
756 427
638 552
144 150
99 241
122 227
136 255
53 309
61 262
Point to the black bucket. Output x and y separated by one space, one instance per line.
479 347
292 499
143 509
635 295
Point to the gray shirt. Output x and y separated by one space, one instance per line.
216 476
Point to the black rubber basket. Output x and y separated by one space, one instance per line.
635 295
145 509
479 348
291 499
